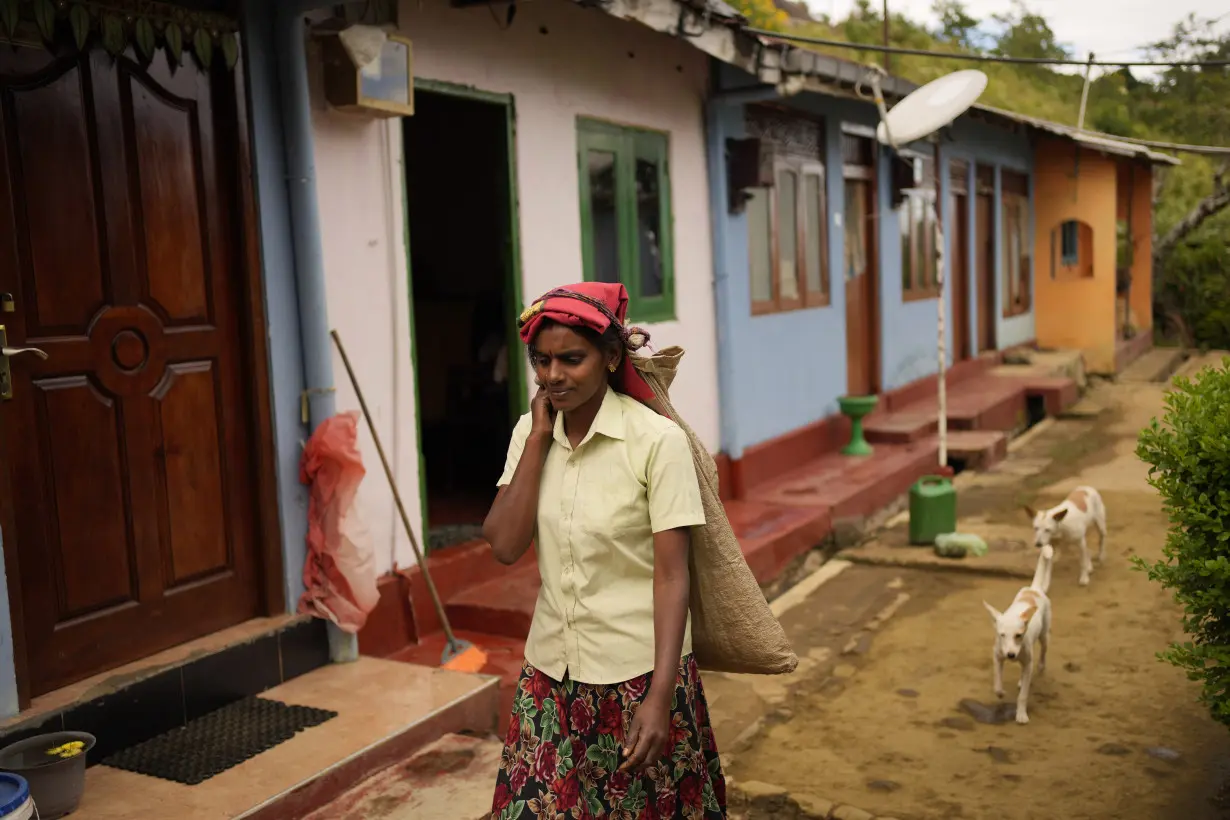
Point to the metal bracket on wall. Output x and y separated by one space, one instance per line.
305 399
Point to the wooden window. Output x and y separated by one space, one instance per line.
1072 250
856 150
1069 244
788 239
626 223
916 221
1017 243
788 223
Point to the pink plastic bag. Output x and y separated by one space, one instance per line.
340 572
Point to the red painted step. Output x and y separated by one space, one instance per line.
501 606
854 487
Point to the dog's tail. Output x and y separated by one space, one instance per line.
1042 573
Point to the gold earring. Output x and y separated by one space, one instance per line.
612 367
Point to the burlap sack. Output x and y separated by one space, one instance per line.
733 629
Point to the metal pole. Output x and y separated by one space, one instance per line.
1080 120
942 386
886 36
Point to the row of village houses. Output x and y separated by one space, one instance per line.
574 144
733 184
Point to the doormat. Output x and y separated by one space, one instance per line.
221 740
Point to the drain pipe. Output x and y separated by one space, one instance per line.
318 400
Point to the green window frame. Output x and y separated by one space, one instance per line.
634 163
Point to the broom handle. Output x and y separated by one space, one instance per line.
401 508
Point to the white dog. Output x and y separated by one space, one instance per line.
1019 627
1069 523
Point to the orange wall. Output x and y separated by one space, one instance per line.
1071 312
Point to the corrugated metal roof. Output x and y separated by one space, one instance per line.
719 30
1092 140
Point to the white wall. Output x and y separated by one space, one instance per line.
559 62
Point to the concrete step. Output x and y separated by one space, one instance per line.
505 657
452 779
386 711
773 535
1199 361
988 404
503 606
854 487
1155 365
902 426
978 449
980 403
1057 393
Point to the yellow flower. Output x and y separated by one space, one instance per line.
67 750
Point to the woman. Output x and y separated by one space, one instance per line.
609 718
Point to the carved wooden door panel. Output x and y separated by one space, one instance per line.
129 446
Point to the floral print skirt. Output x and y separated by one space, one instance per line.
562 754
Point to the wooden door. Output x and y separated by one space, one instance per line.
984 248
862 360
958 273
129 448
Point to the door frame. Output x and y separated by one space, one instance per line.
518 400
249 283
871 175
961 219
986 298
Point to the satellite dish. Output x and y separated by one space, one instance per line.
930 108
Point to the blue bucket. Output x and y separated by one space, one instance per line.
15 802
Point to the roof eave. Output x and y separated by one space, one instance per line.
718 30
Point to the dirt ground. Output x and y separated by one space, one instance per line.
1114 732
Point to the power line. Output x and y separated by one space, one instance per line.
986 58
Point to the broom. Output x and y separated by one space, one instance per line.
458 655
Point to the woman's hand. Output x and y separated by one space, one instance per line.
649 734
542 414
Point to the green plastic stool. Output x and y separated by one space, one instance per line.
933 509
856 407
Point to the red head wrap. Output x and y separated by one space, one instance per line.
596 305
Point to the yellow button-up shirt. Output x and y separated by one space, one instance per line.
598 508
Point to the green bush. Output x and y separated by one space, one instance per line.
1188 454
1195 281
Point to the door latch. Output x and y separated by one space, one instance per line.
6 353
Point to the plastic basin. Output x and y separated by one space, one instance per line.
56 783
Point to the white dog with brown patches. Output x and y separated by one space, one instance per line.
1019 627
1070 522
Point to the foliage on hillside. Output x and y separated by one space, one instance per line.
1177 105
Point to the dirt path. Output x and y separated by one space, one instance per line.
1114 733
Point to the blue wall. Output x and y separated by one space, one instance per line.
8 669
781 371
281 301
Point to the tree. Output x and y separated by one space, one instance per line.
1027 34
956 26
1188 454
1190 101
763 14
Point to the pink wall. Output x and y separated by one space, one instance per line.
585 64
